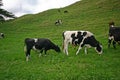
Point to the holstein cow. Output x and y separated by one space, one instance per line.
39 44
114 34
80 38
2 35
58 22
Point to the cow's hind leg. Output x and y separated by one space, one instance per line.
114 44
78 50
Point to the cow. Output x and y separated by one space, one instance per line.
114 35
58 22
39 44
65 11
2 35
80 38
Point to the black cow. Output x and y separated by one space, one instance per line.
114 34
65 11
39 44
80 38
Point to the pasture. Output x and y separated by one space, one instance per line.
88 15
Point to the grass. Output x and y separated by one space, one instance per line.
85 15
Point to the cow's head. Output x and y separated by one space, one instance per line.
99 48
111 24
57 49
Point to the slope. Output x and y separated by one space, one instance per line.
91 15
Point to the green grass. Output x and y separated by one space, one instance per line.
92 15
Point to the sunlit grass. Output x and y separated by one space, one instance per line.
85 15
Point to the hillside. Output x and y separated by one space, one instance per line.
91 15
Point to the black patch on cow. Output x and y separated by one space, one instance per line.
73 35
73 38
91 41
79 37
79 34
84 33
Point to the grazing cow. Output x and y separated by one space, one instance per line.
39 44
58 22
114 34
80 38
65 11
2 35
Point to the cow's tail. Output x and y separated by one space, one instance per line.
63 40
63 45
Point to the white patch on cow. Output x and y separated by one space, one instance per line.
111 37
76 39
34 48
87 45
36 40
112 25
89 34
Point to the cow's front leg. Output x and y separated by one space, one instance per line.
80 47
78 50
27 55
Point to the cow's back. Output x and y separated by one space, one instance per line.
43 43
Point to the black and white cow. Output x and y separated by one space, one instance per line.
114 34
2 35
58 22
39 44
80 38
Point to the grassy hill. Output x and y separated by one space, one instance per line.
91 15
